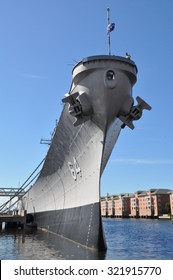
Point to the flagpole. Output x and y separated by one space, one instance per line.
108 31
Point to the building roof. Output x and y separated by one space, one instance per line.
161 191
140 193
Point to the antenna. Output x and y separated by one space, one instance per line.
110 27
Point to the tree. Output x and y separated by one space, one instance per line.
167 208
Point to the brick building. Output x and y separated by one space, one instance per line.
145 204
104 206
111 208
152 203
115 205
122 205
134 205
171 202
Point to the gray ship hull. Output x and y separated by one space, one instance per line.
82 224
65 199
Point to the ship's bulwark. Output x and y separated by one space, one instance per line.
66 197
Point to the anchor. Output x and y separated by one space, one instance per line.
135 113
79 106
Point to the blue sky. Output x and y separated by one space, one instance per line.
40 42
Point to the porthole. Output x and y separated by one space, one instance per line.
110 79
110 75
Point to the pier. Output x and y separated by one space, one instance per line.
13 219
9 217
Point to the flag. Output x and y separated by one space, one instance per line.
110 27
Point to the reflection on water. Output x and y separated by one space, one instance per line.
30 244
126 239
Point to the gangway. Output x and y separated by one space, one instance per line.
6 192
15 194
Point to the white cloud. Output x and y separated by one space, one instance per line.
142 161
31 76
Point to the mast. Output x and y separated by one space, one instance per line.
108 32
110 28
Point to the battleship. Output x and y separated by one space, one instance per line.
65 199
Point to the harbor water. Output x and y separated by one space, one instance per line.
127 239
